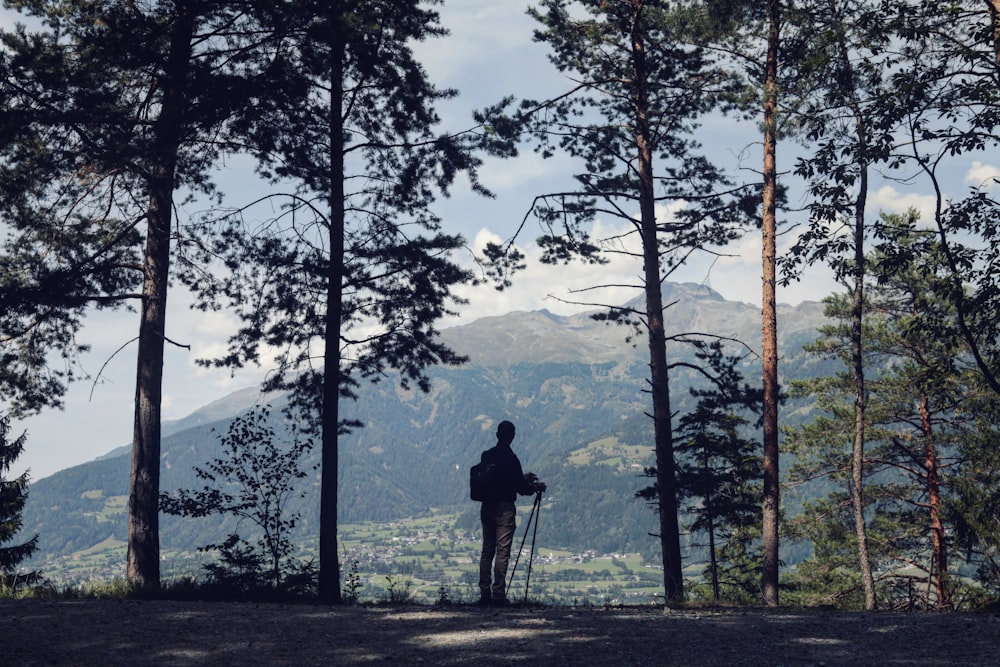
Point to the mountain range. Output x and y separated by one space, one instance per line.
573 386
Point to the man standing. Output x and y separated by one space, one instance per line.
497 514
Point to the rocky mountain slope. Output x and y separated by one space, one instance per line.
567 382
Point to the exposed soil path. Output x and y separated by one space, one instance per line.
183 634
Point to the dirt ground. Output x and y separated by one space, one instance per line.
183 634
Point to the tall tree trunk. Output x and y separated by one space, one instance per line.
673 581
939 547
857 323
771 501
994 8
329 558
713 559
143 558
860 419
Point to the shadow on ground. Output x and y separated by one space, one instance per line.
179 634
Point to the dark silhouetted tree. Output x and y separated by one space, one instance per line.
348 281
719 472
109 110
637 94
254 479
13 495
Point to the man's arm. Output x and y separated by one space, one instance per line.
531 484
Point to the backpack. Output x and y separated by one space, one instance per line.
481 479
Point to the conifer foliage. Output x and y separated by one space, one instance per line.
108 110
350 278
930 414
718 475
13 494
638 91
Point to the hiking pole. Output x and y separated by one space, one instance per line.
524 538
534 534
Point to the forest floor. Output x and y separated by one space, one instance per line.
182 634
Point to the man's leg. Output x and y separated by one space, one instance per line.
486 516
505 524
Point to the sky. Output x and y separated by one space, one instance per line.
489 54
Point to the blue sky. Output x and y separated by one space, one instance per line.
489 54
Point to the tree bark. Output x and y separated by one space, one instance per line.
939 549
994 8
860 419
143 557
713 559
771 500
673 581
857 324
329 558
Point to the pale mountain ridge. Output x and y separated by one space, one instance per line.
534 337
689 308
540 336
543 337
220 409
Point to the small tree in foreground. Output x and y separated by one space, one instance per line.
718 472
13 495
254 479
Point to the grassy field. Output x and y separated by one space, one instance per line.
611 452
424 560
429 561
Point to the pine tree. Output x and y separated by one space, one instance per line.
639 90
925 404
349 280
13 495
719 468
975 486
110 109
69 243
769 322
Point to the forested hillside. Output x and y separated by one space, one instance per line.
571 384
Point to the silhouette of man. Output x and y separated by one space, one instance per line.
497 515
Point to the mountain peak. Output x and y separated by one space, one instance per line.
541 336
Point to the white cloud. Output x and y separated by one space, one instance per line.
209 333
489 46
557 288
214 323
891 200
541 286
982 175
561 288
528 168
743 253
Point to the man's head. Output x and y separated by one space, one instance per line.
505 431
